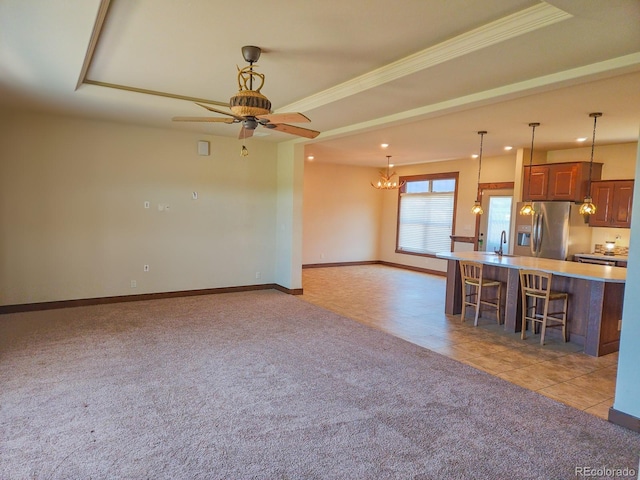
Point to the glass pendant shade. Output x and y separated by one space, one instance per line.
587 207
527 209
477 208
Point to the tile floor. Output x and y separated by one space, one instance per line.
410 305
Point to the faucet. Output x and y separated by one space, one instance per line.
503 240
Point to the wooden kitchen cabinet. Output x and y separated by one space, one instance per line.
537 187
613 200
559 181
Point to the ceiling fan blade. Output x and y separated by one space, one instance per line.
203 119
245 133
285 118
211 109
301 132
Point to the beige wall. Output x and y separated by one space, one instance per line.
346 220
73 222
335 229
341 213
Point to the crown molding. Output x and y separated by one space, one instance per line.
519 23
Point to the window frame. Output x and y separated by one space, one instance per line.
423 177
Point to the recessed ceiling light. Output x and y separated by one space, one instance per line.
384 145
391 165
475 155
581 139
310 157
508 147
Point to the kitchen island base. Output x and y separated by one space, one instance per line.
595 304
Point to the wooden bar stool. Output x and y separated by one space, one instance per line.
536 299
473 285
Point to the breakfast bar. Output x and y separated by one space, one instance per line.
596 294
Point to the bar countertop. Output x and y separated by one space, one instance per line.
586 271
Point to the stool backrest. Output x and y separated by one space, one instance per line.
470 270
535 282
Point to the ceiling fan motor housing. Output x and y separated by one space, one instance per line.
250 124
249 103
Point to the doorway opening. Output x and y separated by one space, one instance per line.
497 202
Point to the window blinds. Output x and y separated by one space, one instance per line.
426 221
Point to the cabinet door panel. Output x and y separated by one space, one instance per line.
536 187
602 195
622 200
563 182
613 200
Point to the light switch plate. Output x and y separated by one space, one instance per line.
203 147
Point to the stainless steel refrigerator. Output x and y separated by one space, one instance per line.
555 230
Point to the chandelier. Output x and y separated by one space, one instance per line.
386 182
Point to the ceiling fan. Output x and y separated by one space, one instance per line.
252 108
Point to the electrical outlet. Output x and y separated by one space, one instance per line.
134 284
146 268
258 275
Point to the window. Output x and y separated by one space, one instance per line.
426 213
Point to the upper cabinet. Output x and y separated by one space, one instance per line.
613 199
559 181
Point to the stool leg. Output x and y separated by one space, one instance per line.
479 290
464 301
525 312
499 304
564 323
544 321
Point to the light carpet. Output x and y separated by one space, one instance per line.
264 385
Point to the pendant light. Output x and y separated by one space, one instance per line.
477 208
385 182
587 207
527 208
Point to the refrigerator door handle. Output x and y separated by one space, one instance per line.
537 234
540 230
532 245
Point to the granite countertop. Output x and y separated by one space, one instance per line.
586 271
601 256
